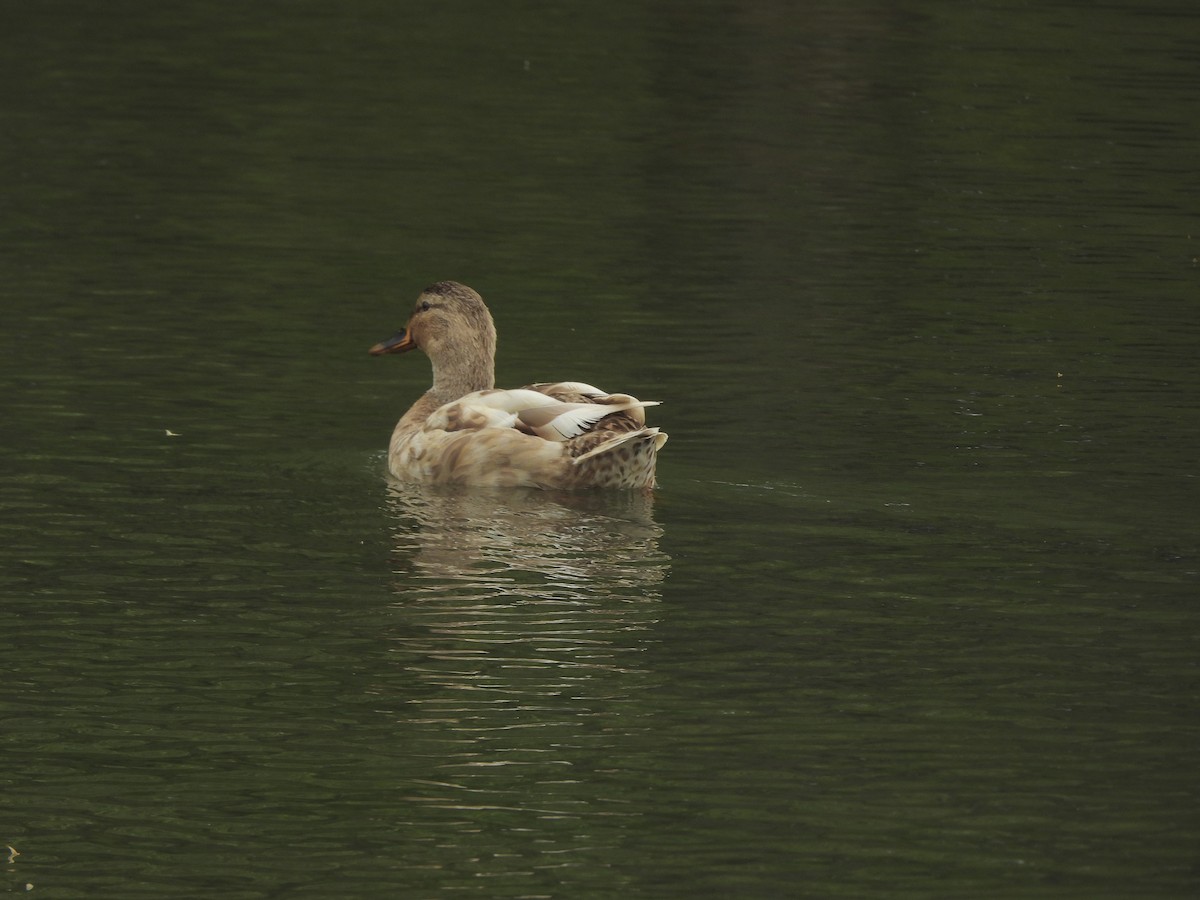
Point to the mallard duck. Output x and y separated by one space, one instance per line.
565 435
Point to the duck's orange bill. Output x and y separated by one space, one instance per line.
400 342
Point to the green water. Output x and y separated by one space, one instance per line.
914 611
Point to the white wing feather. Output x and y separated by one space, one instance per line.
563 421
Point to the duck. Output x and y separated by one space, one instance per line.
565 435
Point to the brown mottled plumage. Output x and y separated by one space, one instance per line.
463 431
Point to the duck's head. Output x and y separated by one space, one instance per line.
453 327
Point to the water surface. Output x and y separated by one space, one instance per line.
913 612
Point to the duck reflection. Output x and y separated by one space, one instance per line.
521 617
584 544
568 579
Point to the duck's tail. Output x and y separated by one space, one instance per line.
642 436
623 461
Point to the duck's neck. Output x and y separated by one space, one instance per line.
446 388
462 377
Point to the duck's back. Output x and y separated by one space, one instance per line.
553 435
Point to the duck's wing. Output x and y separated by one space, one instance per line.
535 412
568 391
485 409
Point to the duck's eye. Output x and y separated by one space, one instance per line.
424 305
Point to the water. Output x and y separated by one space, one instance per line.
913 613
